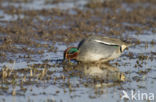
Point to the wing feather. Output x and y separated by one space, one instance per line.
104 42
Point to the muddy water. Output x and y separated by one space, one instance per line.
34 34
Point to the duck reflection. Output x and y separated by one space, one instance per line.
103 71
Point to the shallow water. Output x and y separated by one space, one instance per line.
42 77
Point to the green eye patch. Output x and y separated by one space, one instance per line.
72 50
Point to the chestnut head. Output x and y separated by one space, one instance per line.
71 53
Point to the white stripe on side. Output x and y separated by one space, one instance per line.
99 41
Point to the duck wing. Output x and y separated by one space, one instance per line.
107 41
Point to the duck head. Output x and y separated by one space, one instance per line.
71 53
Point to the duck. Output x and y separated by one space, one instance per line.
105 71
96 49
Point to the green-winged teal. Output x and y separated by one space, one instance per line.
96 49
103 71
